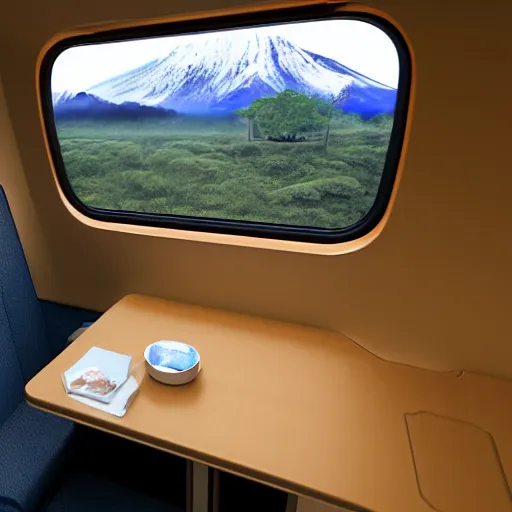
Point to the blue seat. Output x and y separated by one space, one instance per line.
33 446
20 303
32 443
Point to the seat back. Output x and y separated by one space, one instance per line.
11 377
20 312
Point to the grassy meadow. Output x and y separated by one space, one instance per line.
209 168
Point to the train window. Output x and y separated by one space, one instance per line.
290 130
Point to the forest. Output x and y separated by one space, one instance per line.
320 169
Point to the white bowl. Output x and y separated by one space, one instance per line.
172 362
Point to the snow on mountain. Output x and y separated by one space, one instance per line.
226 72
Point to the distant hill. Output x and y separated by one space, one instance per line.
88 106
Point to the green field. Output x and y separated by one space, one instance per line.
210 169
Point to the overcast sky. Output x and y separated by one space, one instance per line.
356 44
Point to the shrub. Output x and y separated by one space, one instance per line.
79 164
367 157
245 150
144 184
382 120
300 192
315 190
332 166
343 186
123 154
162 159
196 166
193 146
276 165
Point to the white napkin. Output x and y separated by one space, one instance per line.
114 366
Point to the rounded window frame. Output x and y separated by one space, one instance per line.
241 233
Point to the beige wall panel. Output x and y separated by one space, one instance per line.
12 178
433 290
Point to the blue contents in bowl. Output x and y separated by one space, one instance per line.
177 359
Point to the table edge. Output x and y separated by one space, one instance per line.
211 461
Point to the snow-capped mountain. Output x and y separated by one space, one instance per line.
226 72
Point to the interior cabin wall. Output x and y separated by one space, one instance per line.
432 291
12 179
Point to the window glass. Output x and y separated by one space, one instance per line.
285 125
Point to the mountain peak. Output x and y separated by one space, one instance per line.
228 70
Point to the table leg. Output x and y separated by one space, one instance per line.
201 493
215 507
291 503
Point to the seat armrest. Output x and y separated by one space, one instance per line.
78 332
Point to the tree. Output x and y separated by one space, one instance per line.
330 107
286 116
